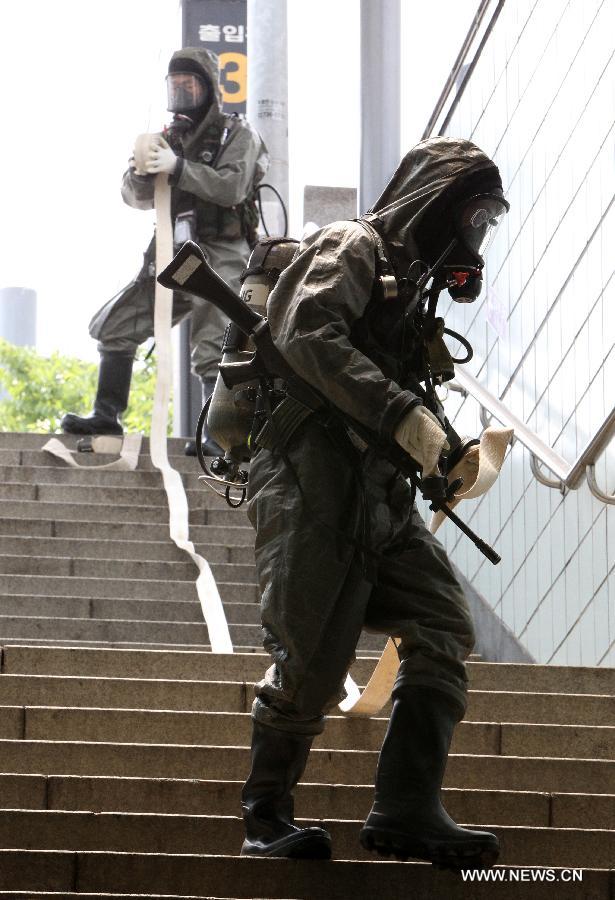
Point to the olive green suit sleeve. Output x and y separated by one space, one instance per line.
242 163
311 313
138 190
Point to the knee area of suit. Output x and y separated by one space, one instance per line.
268 716
426 695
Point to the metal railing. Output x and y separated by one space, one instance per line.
567 476
462 70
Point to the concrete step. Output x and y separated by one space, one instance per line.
239 535
199 797
17 457
110 512
490 772
123 569
104 512
65 723
103 662
151 610
23 629
223 835
78 495
12 457
224 876
64 475
10 440
483 706
201 666
124 693
555 709
68 743
126 588
89 548
59 643
100 492
547 678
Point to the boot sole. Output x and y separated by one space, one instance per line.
85 430
313 846
442 855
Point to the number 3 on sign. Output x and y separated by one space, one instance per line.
233 77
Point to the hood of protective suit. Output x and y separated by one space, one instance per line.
204 63
415 212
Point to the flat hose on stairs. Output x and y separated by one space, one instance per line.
207 589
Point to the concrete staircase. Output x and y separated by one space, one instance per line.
124 742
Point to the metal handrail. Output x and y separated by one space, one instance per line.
460 64
457 67
568 476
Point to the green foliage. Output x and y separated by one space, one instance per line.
40 389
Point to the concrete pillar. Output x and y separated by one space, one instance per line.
268 98
380 97
323 204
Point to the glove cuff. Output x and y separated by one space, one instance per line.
178 171
397 409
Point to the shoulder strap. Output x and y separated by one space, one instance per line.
386 272
259 263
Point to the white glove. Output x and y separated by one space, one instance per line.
160 157
421 435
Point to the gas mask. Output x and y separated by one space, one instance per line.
189 98
476 222
186 92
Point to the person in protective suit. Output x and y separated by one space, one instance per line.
340 545
214 162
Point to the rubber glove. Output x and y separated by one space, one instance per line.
421 435
160 158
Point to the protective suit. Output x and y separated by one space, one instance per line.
217 165
340 545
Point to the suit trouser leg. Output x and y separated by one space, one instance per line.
313 602
125 323
316 600
419 600
314 593
228 258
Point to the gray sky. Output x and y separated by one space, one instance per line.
76 89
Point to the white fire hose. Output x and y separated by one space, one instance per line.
207 590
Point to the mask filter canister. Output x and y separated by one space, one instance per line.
465 285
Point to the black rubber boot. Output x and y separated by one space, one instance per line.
278 761
407 818
210 447
114 375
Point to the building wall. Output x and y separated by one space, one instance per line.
18 316
541 103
